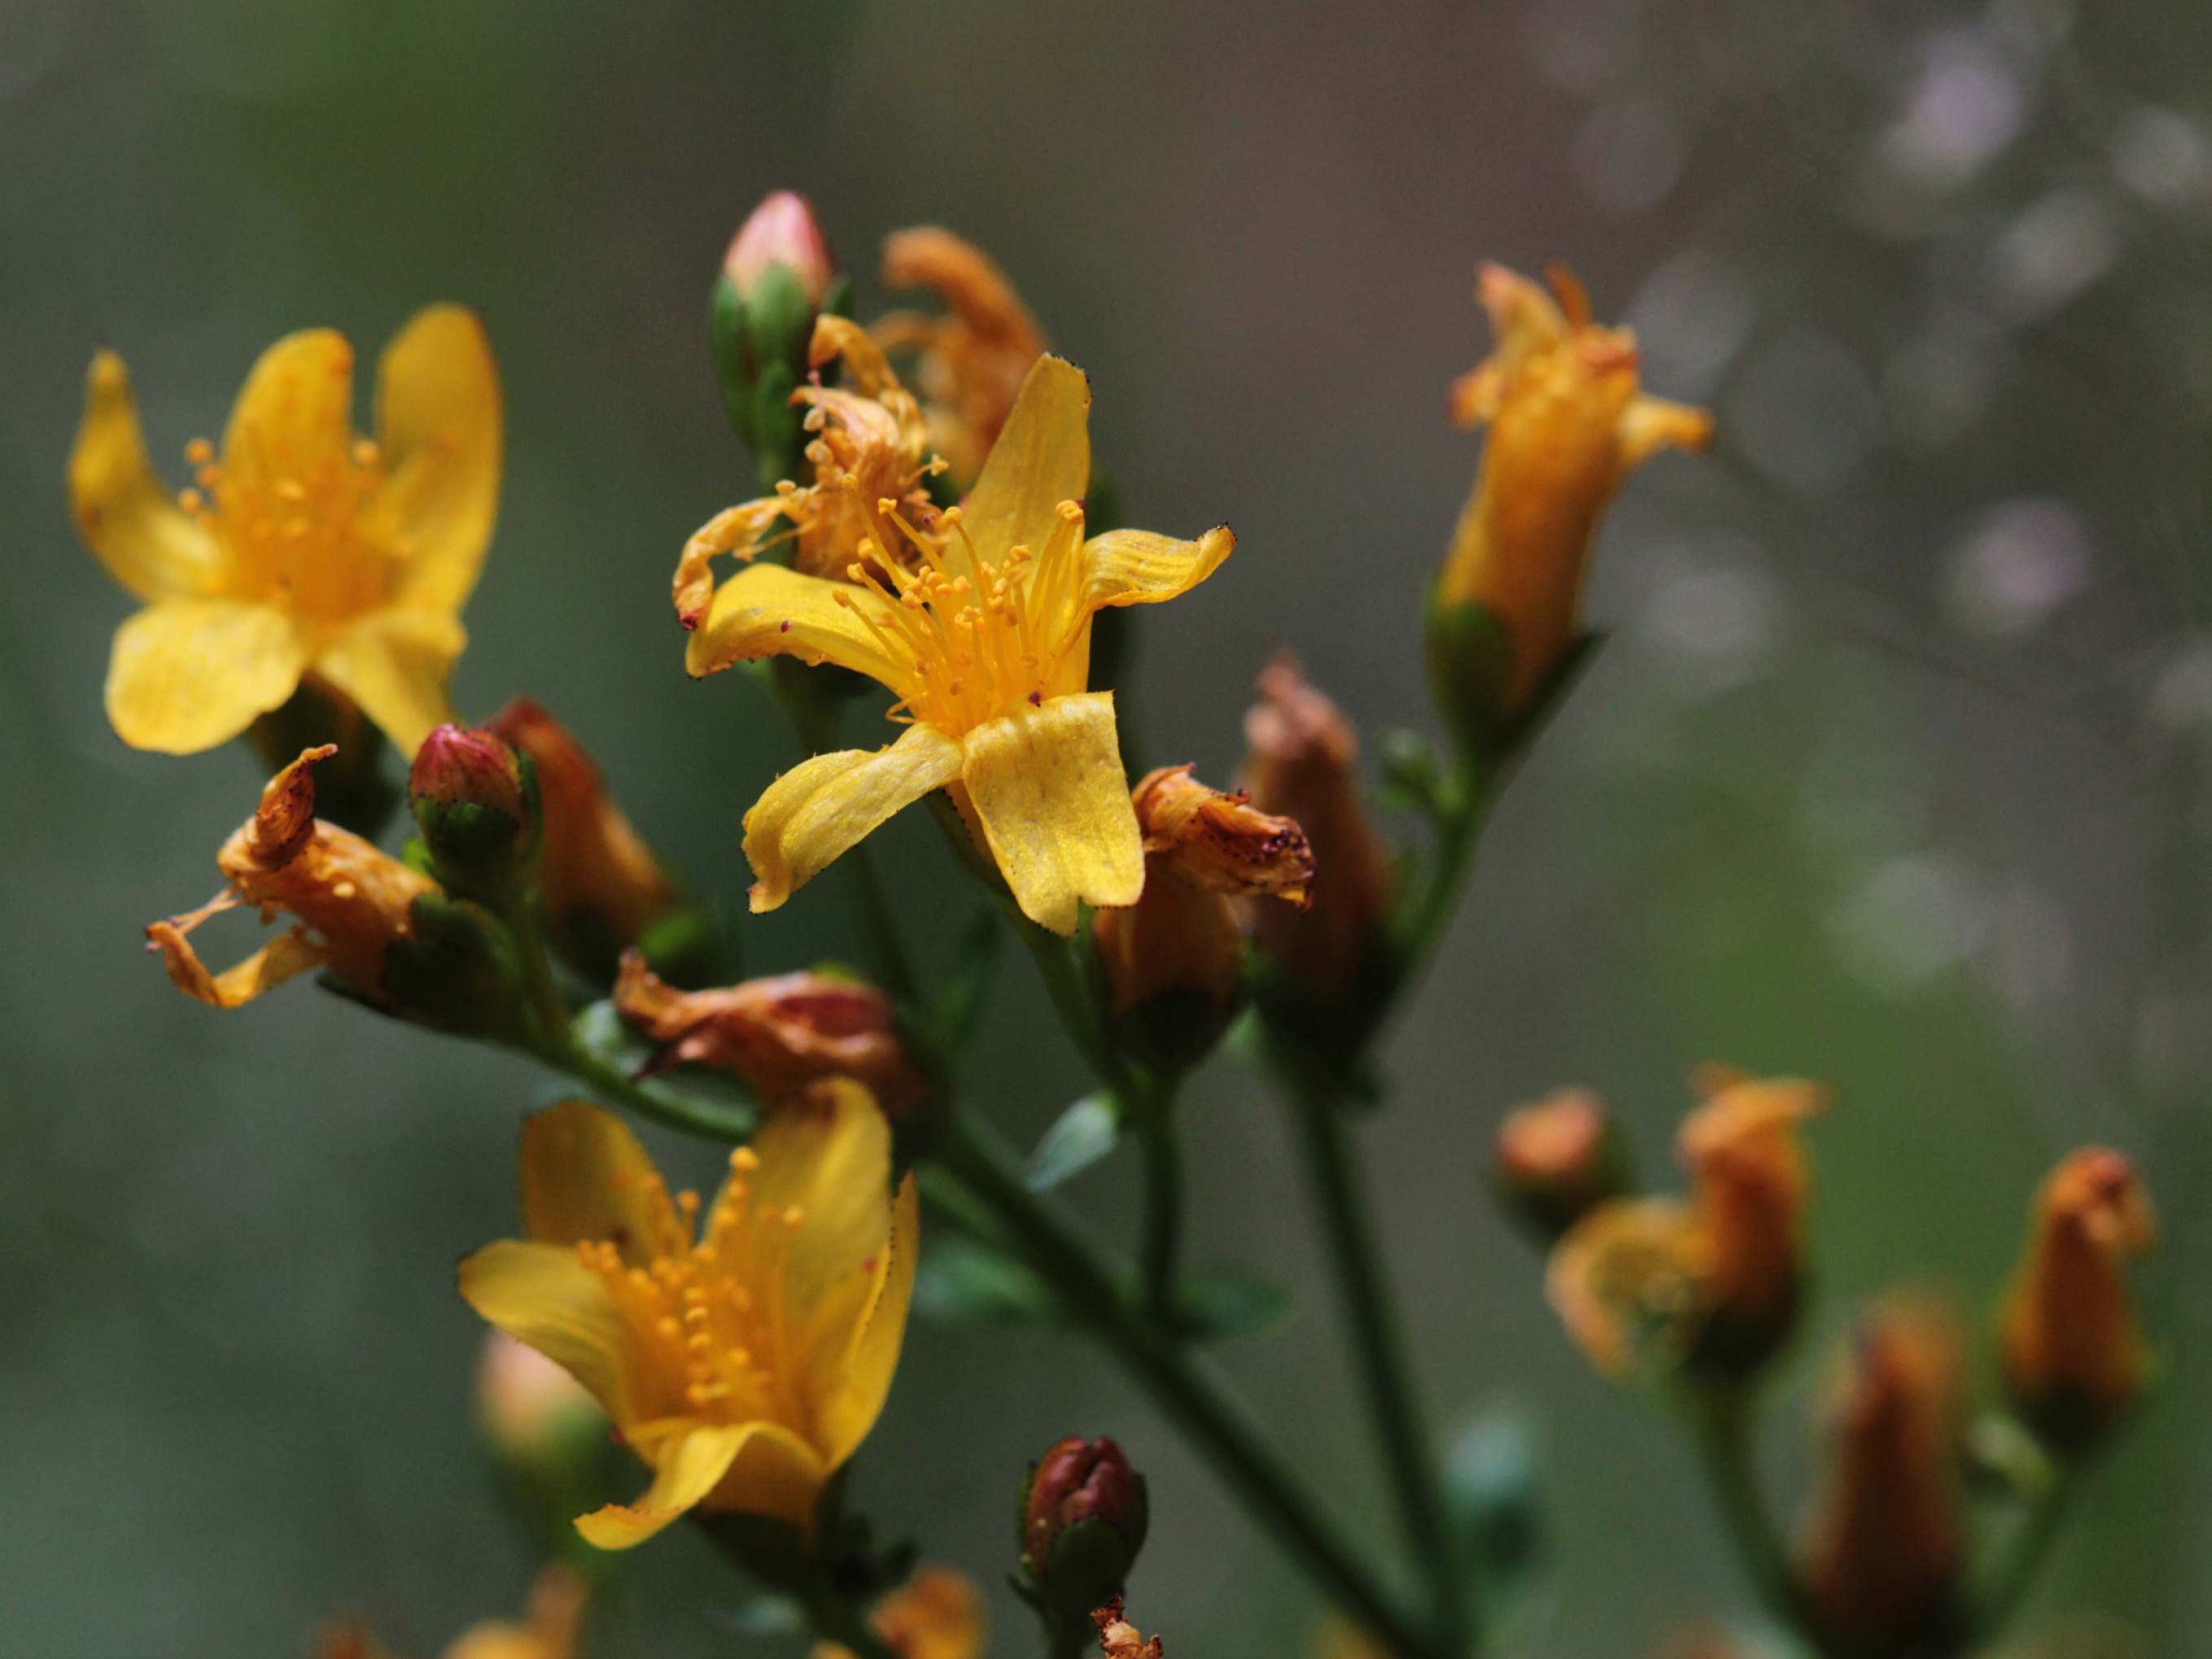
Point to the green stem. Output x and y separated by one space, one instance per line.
1160 1137
1333 1170
2017 1576
704 1119
1156 1359
1723 1420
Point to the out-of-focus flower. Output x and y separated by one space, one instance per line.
2073 1356
781 231
972 361
1567 424
1555 1159
1201 847
303 549
988 644
597 882
871 461
781 1036
1713 1283
744 1366
1120 1639
938 1615
1302 763
549 1630
532 1412
353 901
1882 1557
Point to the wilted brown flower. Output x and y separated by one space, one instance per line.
1120 1639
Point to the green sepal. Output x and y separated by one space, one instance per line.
456 969
688 947
1080 1137
733 369
1470 661
481 852
964 1280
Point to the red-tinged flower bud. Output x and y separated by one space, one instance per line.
1304 764
1882 1558
781 1035
475 799
2074 1358
1557 1159
781 231
1082 1519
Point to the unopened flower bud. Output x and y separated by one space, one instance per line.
1555 1159
2074 1357
781 232
476 801
1082 1519
1174 960
1881 1561
599 885
781 1036
1304 764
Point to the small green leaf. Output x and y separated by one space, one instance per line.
1085 1133
1492 1477
965 1281
1218 1302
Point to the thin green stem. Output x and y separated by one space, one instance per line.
1191 1400
1722 1421
727 1124
1334 1173
1160 1137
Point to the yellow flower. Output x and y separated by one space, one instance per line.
988 644
745 1367
303 550
938 1615
1567 423
548 1631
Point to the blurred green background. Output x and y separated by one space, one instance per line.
1894 773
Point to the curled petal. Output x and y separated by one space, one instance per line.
1627 1277
738 530
1649 425
1048 788
690 1468
286 957
864 364
1135 567
395 665
1041 458
541 1294
814 813
769 611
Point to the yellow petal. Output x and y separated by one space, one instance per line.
188 674
768 610
294 417
286 957
440 428
1048 786
1650 424
395 665
585 1177
1041 458
774 1473
690 1468
124 512
738 530
822 806
540 1294
1135 567
863 1381
829 1160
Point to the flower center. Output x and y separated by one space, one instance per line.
296 528
984 644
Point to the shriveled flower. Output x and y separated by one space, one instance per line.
1201 847
744 1366
2074 1354
988 644
1567 423
972 360
303 549
353 902
1302 763
937 1614
780 1035
1713 1283
549 1630
1120 1639
870 446
1882 1557
599 884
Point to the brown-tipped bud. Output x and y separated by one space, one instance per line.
1120 1639
599 884
476 801
781 231
1881 1562
1557 1159
1750 1185
1304 764
2074 1357
353 902
1082 1522
781 1036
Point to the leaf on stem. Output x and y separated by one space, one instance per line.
965 1281
1216 1304
1085 1133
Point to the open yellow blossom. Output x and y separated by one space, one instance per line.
987 642
870 445
303 549
1567 423
744 1366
